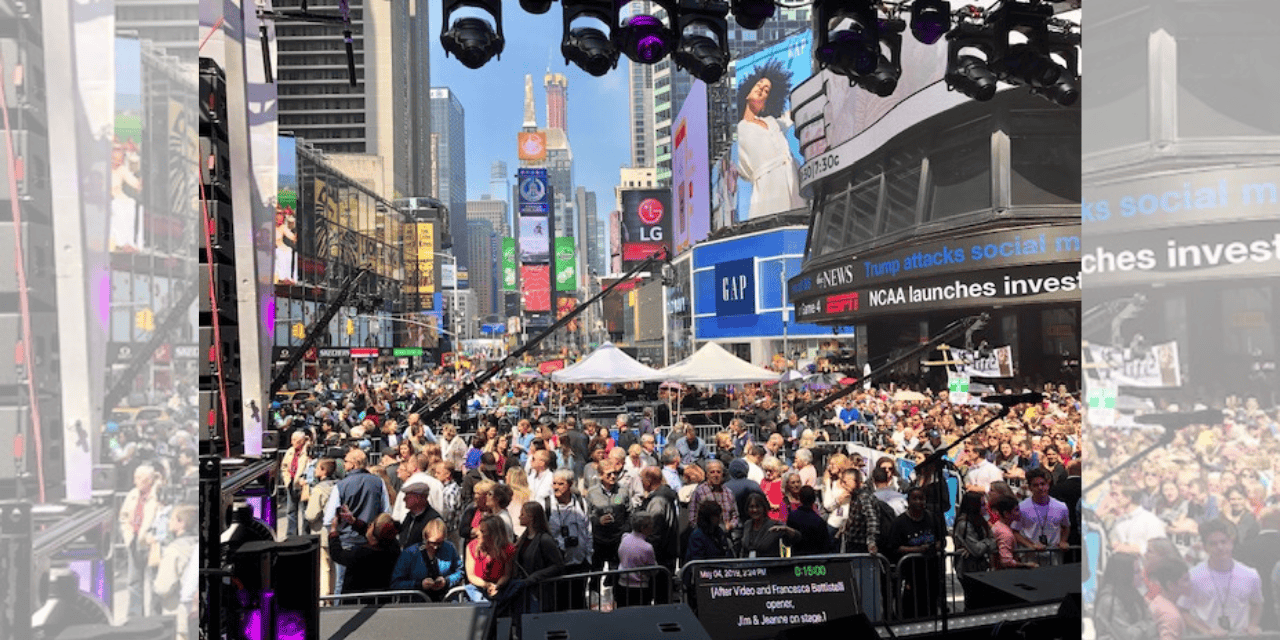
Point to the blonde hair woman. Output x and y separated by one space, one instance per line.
518 480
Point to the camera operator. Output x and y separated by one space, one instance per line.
570 523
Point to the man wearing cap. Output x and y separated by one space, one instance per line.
626 437
418 513
412 471
931 443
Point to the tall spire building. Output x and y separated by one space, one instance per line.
557 101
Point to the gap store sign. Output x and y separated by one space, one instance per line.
739 286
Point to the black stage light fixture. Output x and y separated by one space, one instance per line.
884 79
1063 41
752 14
536 6
966 72
645 38
704 41
930 20
848 36
588 47
472 40
1029 63
850 40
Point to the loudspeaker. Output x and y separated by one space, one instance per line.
224 285
277 588
213 98
221 232
211 415
857 626
1024 586
229 350
104 478
669 621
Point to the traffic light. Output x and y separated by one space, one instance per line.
145 319
298 331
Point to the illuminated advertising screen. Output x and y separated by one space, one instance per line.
535 287
615 242
564 306
535 243
127 215
646 224
566 265
767 151
508 264
690 181
531 145
287 211
425 233
533 192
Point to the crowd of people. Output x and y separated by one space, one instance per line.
1196 522
491 512
157 481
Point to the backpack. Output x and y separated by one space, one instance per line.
885 517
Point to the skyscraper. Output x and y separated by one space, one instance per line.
412 110
448 118
317 103
640 77
557 101
499 185
587 222
492 211
484 275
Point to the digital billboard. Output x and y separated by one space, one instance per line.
425 233
535 243
646 224
508 264
127 215
531 145
533 192
615 242
690 180
286 266
535 287
767 152
566 265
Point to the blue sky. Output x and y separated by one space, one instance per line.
493 99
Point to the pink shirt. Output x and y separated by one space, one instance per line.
1168 618
1004 543
635 551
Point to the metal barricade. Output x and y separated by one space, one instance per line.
581 591
376 598
916 581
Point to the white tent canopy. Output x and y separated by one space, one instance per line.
713 365
607 364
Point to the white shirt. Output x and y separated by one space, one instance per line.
984 474
540 484
754 472
435 495
1043 520
1214 594
1137 528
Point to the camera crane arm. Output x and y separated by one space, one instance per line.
314 331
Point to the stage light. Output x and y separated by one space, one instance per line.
848 37
968 73
883 80
536 6
930 20
645 38
704 44
856 43
589 48
752 14
472 40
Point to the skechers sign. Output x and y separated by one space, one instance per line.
735 288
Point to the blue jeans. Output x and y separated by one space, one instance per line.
292 504
475 594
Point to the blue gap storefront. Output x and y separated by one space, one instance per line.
738 298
